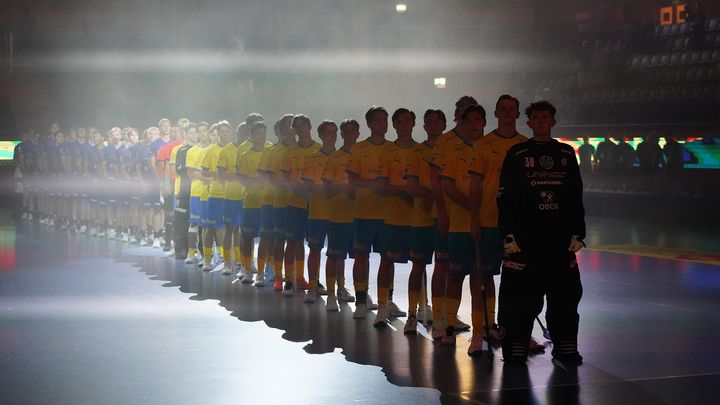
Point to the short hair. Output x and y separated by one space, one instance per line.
430 112
507 97
463 103
163 120
203 124
258 125
370 114
323 125
189 125
253 118
182 122
223 123
240 127
473 108
296 120
401 110
349 122
541 106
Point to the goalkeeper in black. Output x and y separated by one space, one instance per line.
542 216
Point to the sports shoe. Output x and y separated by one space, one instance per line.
448 338
438 330
371 306
100 233
461 326
111 233
93 231
567 360
132 239
125 237
277 285
206 266
156 243
253 268
424 315
83 228
269 272
227 270
302 284
410 326
497 333
360 311
344 295
381 318
321 289
394 311
310 297
247 278
259 280
289 289
24 216
332 304
476 345
144 242
191 259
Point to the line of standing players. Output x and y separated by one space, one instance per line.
453 197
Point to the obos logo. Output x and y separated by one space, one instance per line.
546 162
548 201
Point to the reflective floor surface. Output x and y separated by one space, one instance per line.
89 321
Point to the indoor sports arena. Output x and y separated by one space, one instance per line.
359 201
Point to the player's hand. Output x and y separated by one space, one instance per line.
426 204
575 244
510 246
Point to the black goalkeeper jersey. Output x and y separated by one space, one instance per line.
540 195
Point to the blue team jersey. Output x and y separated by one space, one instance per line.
133 158
144 152
113 158
155 146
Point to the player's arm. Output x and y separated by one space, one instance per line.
576 208
449 188
443 220
475 197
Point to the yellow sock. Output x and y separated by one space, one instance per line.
261 265
191 252
221 252
238 255
452 304
361 286
437 307
330 286
226 255
207 253
383 293
413 297
278 269
300 269
478 319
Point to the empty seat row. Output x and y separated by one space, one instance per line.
676 74
674 59
676 93
671 30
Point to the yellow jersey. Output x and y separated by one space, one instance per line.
314 168
274 168
248 164
393 165
365 161
293 166
228 160
487 160
455 166
210 163
419 168
341 204
173 161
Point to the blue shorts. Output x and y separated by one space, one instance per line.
366 233
461 251
280 217
296 223
232 212
252 218
490 251
421 244
317 230
215 212
195 210
204 212
340 239
394 242
441 246
267 222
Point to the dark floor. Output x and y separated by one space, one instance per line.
88 321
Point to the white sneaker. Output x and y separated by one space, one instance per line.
170 253
111 233
24 216
100 234
410 326
156 243
394 311
321 289
190 259
289 289
381 318
260 280
424 315
332 304
206 266
371 306
162 241
360 311
145 242
125 237
227 270
476 345
461 326
83 229
344 295
132 240
310 297
247 278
